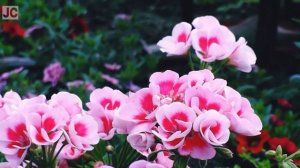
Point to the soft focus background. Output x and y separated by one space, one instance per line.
81 45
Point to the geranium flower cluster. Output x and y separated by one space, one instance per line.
59 124
190 114
211 41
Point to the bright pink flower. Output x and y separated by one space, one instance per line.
164 82
145 164
112 67
163 157
242 117
45 129
242 57
69 104
201 100
175 123
103 105
210 39
53 73
138 114
213 126
110 79
196 147
14 140
82 132
178 43
141 141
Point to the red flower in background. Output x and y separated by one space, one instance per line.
284 103
288 146
275 120
13 29
78 25
253 144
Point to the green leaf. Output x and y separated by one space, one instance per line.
180 162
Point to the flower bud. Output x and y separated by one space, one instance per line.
270 153
109 148
278 151
225 152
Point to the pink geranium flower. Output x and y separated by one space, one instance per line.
53 73
242 57
138 114
14 139
103 105
210 39
175 123
141 141
213 127
178 43
82 132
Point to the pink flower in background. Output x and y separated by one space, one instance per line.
213 126
4 76
53 73
123 16
14 139
110 79
178 43
242 57
77 83
133 87
145 164
112 67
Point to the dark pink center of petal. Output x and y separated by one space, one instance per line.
204 43
49 124
108 104
81 129
147 103
213 106
216 128
182 37
106 124
166 87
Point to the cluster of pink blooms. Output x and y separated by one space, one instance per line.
211 41
190 114
61 120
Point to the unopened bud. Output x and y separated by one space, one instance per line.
109 148
270 153
278 151
225 152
